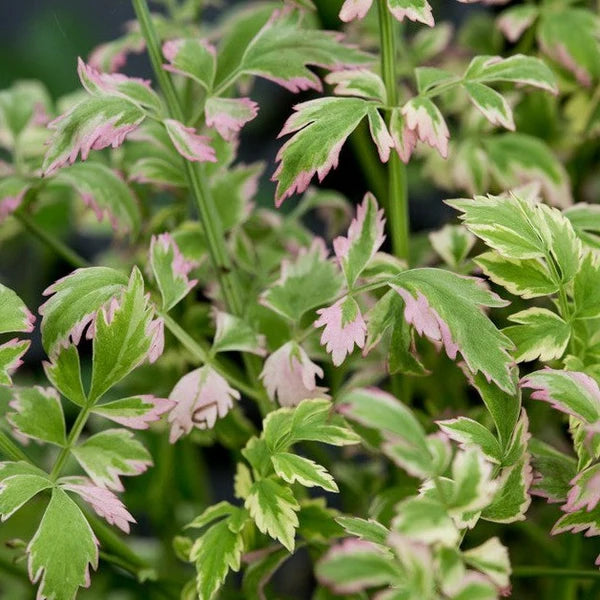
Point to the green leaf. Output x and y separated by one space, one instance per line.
64 372
517 158
381 317
258 454
578 522
292 468
104 192
515 69
524 230
455 304
541 334
365 237
476 589
273 508
38 415
310 281
515 20
429 78
471 489
18 105
468 433
425 520
471 168
491 558
62 550
570 37
572 393
109 85
401 358
505 408
157 171
125 336
528 278
239 28
428 43
415 10
282 49
586 289
453 243
585 219
357 565
512 498
233 190
96 122
406 440
109 454
242 481
554 471
193 58
318 522
493 105
358 82
234 334
565 246
508 224
188 143
19 482
136 412
320 129
170 270
381 411
212 513
368 530
14 315
10 358
74 303
311 420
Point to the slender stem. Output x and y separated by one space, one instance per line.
202 355
55 244
74 434
10 449
209 217
555 572
206 206
398 217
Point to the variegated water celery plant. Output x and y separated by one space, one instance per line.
370 451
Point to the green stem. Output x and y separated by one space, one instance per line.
10 449
398 217
554 572
55 244
74 434
209 217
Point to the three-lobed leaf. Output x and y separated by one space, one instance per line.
273 508
62 550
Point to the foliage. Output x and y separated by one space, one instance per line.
313 362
